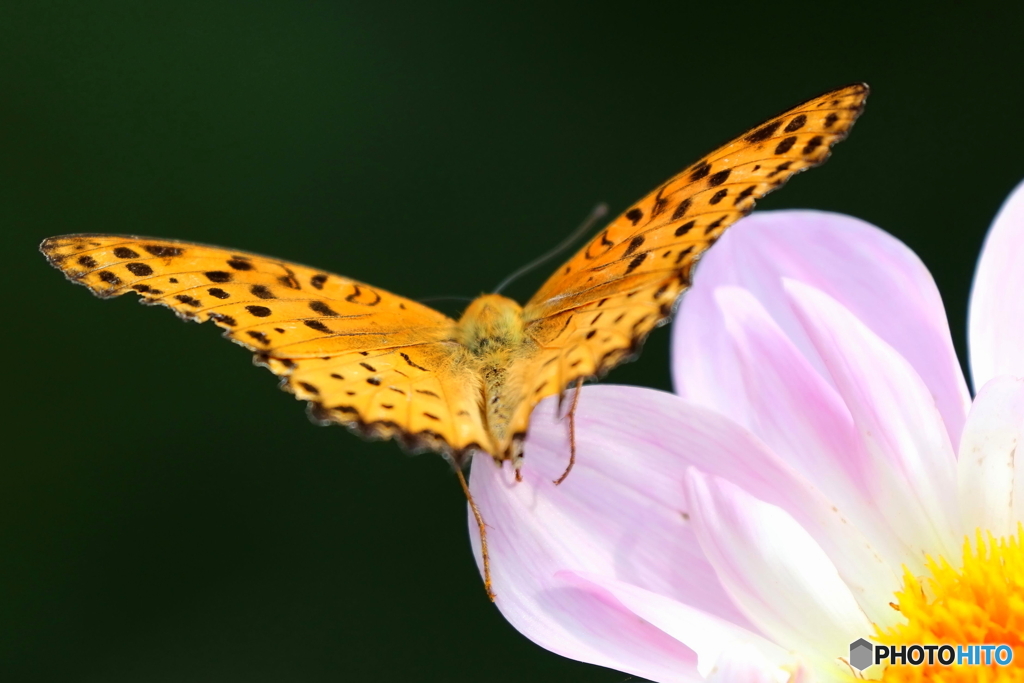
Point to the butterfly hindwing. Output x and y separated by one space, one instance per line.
361 356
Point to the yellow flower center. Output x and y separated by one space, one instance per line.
981 603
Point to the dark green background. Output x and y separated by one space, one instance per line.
166 514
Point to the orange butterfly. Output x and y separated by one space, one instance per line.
387 366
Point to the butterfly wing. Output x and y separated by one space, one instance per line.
596 310
360 356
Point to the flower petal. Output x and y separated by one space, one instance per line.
745 663
800 415
870 272
708 636
775 571
996 315
619 514
623 514
896 417
990 483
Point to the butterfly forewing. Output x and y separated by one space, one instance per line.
599 306
360 355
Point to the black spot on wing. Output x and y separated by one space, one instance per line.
681 210
785 145
218 293
743 195
139 269
718 196
225 319
87 261
813 144
260 337
764 132
831 119
289 281
163 250
719 177
712 226
218 276
321 308
796 124
239 264
635 263
685 228
318 280
701 171
125 252
316 325
109 277
634 215
634 244
683 254
258 311
262 292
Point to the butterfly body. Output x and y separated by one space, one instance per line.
389 367
493 337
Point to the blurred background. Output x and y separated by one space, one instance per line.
166 513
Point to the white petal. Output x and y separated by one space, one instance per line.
990 482
746 664
996 328
775 571
899 425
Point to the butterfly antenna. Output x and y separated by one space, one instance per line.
597 214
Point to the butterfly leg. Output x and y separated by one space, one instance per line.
483 532
572 431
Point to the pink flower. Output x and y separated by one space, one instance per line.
754 524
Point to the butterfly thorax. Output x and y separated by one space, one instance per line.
493 336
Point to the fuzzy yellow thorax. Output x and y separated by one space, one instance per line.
493 335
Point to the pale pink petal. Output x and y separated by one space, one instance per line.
990 482
623 513
775 571
897 420
870 272
800 415
708 636
620 513
996 328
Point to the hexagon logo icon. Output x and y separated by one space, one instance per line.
861 652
